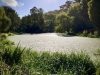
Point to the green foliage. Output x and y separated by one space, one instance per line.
64 21
33 23
3 36
11 34
58 63
79 23
10 56
7 42
59 29
98 71
94 12
5 22
15 19
75 11
97 52
91 35
98 67
49 21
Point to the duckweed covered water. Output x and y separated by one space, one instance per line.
54 42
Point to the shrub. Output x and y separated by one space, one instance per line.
98 71
59 29
97 52
10 34
91 35
7 42
3 36
11 56
57 63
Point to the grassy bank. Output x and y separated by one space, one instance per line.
21 61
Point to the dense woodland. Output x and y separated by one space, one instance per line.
78 16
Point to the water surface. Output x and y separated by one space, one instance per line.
53 42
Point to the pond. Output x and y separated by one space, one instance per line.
56 42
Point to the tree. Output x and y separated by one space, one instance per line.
66 5
81 20
84 12
65 21
94 13
37 19
15 19
34 22
77 1
49 20
40 18
59 29
78 23
26 23
5 22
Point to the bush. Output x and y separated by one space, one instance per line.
59 29
4 36
10 34
98 71
11 56
33 63
91 35
7 42
57 63
97 52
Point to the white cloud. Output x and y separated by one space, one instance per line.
12 3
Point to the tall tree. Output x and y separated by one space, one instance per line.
94 13
64 21
65 6
84 12
15 19
37 19
79 24
40 18
49 19
5 22
77 1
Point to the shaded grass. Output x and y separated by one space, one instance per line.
90 35
12 56
31 62
97 52
57 63
7 42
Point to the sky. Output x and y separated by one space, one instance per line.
22 7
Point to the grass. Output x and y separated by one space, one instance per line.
90 35
97 52
21 61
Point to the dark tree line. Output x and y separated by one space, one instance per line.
76 16
33 23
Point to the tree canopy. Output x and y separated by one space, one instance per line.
5 22
15 19
64 21
76 16
94 13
